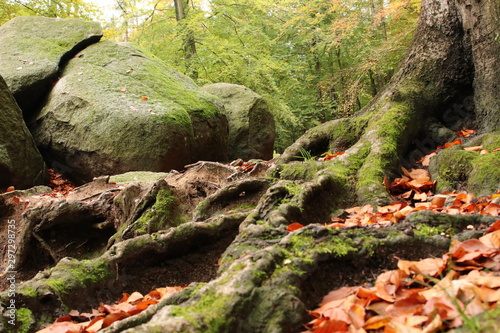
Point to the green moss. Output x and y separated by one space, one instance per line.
161 215
24 321
491 141
207 313
484 179
425 230
457 169
389 132
59 285
300 170
28 292
451 168
72 274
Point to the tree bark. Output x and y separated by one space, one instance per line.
188 38
268 277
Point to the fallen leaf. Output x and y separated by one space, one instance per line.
294 226
491 240
428 267
495 226
449 144
465 133
474 148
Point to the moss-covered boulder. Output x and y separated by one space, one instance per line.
116 109
251 124
33 49
474 171
21 164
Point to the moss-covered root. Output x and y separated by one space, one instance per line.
51 293
80 284
333 136
379 135
456 168
263 289
246 191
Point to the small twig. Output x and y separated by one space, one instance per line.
99 193
46 247
79 246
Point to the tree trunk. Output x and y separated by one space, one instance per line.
188 39
268 277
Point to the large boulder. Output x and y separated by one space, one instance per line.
33 50
21 165
251 125
116 109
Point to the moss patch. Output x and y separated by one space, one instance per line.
458 169
71 274
388 134
161 215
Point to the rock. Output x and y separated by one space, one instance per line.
33 49
116 109
21 164
251 124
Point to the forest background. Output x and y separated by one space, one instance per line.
312 60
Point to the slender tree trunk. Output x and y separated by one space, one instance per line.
188 38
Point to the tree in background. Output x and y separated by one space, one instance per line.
188 38
50 8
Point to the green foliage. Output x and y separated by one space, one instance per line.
313 61
62 8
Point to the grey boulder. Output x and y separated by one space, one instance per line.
252 129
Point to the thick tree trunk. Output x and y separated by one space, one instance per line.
268 277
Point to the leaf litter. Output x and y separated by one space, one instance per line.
105 315
429 295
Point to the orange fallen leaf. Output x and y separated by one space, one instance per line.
491 240
495 226
294 226
144 98
428 267
329 156
449 144
10 189
438 201
376 322
465 133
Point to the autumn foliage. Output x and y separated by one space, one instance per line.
105 315
420 296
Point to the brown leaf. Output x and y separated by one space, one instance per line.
474 148
112 317
428 267
491 240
